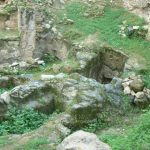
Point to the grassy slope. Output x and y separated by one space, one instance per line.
107 28
133 137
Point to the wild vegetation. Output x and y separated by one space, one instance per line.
21 121
129 130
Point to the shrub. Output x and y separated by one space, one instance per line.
49 58
22 120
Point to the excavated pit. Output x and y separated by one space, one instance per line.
107 64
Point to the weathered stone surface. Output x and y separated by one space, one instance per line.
137 85
107 64
51 42
139 7
38 36
81 140
114 92
12 81
81 97
27 27
84 58
35 95
134 87
148 35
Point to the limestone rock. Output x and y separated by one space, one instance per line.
127 90
50 77
81 97
148 35
81 140
5 98
84 58
139 95
137 85
114 91
36 95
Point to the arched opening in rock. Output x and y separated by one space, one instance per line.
107 64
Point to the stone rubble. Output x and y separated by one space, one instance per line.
135 87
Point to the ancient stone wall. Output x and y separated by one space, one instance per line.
107 64
36 35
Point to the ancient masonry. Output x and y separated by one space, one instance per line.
26 34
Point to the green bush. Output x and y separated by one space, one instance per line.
22 120
49 58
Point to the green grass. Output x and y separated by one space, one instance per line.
4 140
107 28
21 121
134 137
35 144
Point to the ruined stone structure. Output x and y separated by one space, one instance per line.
26 33
107 64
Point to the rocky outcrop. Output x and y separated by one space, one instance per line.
83 99
108 63
37 95
114 91
81 140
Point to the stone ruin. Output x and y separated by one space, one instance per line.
105 65
25 34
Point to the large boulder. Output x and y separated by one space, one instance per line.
82 98
137 85
114 91
37 95
81 140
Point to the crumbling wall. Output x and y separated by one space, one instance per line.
37 35
107 64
